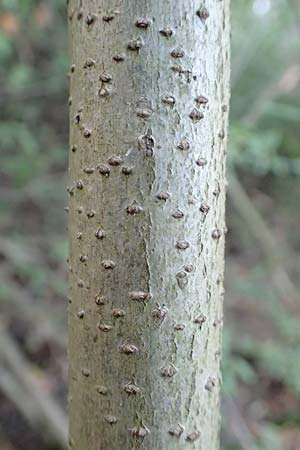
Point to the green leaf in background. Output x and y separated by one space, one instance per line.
20 75
6 47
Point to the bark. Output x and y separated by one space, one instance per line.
149 106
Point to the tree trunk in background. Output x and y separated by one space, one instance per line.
149 102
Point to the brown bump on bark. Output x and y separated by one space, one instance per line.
216 190
70 16
134 209
143 22
182 279
135 44
169 100
127 170
210 384
217 321
177 53
196 115
178 68
179 327
144 113
204 208
129 349
168 371
100 299
189 268
203 13
86 372
146 142
104 91
80 314
216 234
108 264
220 279
160 312
79 210
79 184
221 134
90 19
118 313
105 77
200 320
80 283
102 390
119 57
163 195
178 214
79 235
184 145
201 162
108 17
77 118
193 436
87 133
80 14
140 296
139 433
83 258
74 148
115 161
144 107
104 327
201 100
224 108
70 101
176 431
89 170
100 234
70 190
166 32
103 169
89 63
72 68
112 420
182 245
131 388
90 214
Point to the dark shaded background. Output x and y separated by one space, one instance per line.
261 356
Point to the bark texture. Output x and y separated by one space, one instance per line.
149 106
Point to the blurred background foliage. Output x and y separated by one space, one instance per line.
261 364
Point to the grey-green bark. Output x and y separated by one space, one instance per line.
149 106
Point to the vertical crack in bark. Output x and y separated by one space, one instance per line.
191 392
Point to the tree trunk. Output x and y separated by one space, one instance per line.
149 106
